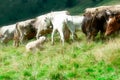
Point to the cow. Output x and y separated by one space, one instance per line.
94 23
61 21
86 22
74 24
24 30
113 24
37 44
7 33
44 27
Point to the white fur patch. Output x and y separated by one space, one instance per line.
109 20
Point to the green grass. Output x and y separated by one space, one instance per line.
77 60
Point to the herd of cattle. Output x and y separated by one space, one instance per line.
103 19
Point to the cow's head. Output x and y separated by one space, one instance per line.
102 15
113 24
48 22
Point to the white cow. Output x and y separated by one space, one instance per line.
76 20
74 23
37 44
7 33
41 25
61 21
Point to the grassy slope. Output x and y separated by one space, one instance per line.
76 61
17 10
78 9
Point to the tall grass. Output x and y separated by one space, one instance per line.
77 60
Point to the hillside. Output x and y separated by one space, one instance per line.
79 8
78 60
12 11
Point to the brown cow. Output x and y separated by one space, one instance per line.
113 24
94 23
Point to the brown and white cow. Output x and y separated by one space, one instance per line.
113 24
41 26
24 30
7 33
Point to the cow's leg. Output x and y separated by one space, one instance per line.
22 38
92 37
73 35
4 39
17 42
17 37
61 35
71 27
52 36
89 37
14 43
102 35
37 35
